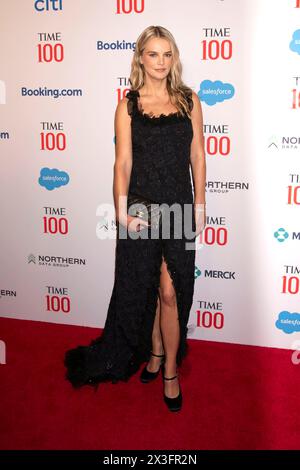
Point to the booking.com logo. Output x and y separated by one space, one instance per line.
281 235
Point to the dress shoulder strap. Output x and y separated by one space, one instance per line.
131 95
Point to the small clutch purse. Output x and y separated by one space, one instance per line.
144 208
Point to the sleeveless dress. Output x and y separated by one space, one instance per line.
160 172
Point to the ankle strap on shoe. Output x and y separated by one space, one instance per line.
157 355
170 378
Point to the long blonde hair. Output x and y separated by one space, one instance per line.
176 88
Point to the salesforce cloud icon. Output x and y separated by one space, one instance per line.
53 178
295 42
288 322
215 92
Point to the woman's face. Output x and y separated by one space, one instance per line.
157 58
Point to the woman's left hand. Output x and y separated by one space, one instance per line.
200 218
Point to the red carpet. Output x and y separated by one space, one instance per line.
235 397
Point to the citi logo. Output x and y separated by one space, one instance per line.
48 5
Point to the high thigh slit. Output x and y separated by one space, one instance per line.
160 172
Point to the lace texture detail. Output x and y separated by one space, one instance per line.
134 106
160 172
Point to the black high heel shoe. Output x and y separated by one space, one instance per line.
174 404
147 376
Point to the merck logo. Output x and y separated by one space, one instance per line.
281 235
197 272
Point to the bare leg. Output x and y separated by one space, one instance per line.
157 346
170 330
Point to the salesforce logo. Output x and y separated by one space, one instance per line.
53 178
281 235
215 92
288 322
295 42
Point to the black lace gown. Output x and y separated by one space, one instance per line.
160 172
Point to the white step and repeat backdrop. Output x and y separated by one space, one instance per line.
64 66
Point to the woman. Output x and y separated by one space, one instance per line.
159 137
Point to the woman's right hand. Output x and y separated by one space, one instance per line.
134 224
